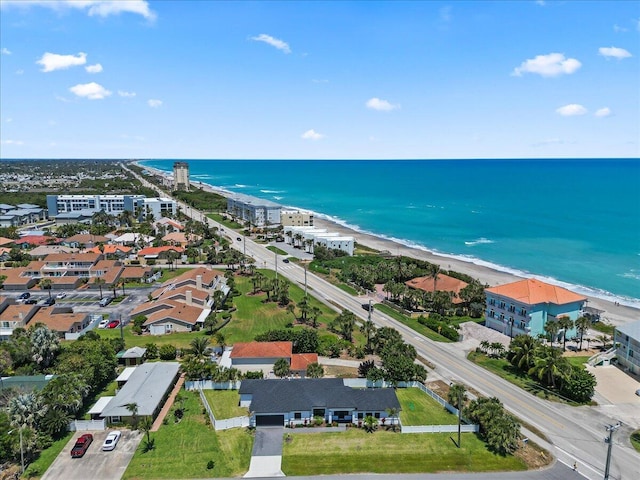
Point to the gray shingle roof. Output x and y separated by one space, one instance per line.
278 396
146 387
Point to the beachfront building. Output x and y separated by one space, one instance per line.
65 205
308 237
296 218
626 338
525 307
255 211
344 243
181 176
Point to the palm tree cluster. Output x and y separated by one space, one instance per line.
492 349
499 428
546 364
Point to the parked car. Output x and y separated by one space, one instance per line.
286 260
113 324
81 446
239 239
61 295
104 323
638 392
31 301
112 440
24 296
106 301
49 301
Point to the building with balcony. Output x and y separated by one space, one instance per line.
525 307
626 339
296 218
255 211
65 205
181 176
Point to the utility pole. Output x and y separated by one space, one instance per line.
305 279
276 254
459 414
609 441
370 308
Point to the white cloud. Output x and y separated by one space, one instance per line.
571 110
614 52
53 61
550 65
274 42
618 29
12 142
101 8
92 91
153 103
5 51
97 68
61 99
380 105
122 93
603 112
312 135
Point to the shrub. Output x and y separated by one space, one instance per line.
168 352
438 323
210 465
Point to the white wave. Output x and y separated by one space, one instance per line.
277 197
479 241
239 185
272 191
630 274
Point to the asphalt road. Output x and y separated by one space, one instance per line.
575 434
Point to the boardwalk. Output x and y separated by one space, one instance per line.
168 404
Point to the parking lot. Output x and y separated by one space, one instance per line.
95 464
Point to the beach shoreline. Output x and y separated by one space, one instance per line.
614 312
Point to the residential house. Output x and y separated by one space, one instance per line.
5 254
137 274
179 317
30 241
199 278
152 255
6 242
85 240
112 252
525 307
133 239
80 216
444 283
167 225
132 357
14 316
298 401
148 386
296 218
261 356
626 339
108 271
181 239
61 319
42 251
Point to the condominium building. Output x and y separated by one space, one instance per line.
525 307
626 339
62 205
308 237
255 211
296 218
181 176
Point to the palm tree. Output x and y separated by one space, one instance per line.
368 329
145 425
281 368
221 340
199 347
566 324
552 328
211 321
45 284
522 351
582 326
393 415
484 346
315 370
133 408
457 395
314 314
370 424
550 365
497 348
99 282
434 271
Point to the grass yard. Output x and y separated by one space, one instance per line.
277 250
635 440
411 323
227 223
356 451
46 458
183 449
578 361
418 408
179 339
224 404
169 274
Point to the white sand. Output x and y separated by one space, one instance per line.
616 314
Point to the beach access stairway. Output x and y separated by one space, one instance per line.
602 358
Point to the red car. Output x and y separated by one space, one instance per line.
113 324
81 446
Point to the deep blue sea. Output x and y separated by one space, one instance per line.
572 222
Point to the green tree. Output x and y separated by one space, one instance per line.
364 367
368 329
99 282
168 352
152 351
315 370
393 417
45 284
499 428
145 425
199 347
580 385
44 345
522 352
346 322
370 424
133 410
281 368
565 324
552 328
550 366
457 393
138 322
583 324
211 321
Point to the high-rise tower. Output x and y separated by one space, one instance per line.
181 176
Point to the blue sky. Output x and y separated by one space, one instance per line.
337 79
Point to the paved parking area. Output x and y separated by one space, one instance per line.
615 385
96 464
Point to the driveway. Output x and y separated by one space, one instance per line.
266 458
96 464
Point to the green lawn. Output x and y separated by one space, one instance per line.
347 288
412 323
418 408
179 340
356 451
224 404
635 440
227 223
277 250
183 449
46 458
169 274
579 361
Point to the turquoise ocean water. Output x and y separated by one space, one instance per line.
571 222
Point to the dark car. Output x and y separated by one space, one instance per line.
286 260
49 301
81 446
24 296
31 301
239 239
366 306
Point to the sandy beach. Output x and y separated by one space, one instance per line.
615 314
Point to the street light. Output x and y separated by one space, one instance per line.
21 449
609 441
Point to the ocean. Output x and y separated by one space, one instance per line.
575 223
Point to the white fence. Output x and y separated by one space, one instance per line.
78 425
209 385
222 424
439 429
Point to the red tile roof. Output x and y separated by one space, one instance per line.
533 292
180 312
300 361
36 240
262 350
445 283
110 249
159 250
